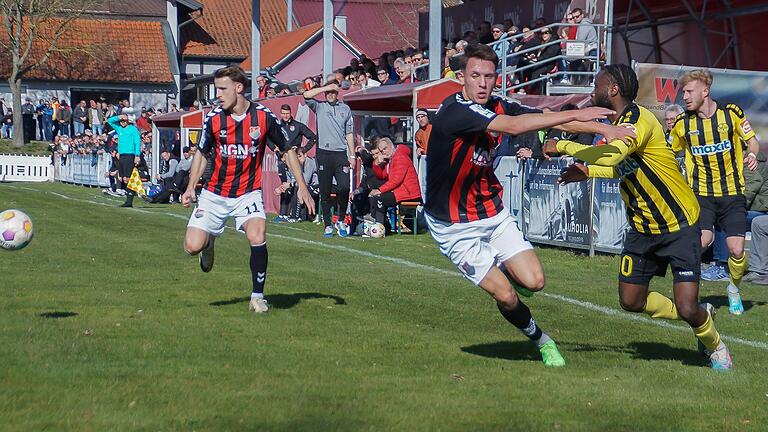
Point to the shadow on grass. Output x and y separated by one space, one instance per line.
662 351
283 301
720 301
58 314
526 351
644 351
507 350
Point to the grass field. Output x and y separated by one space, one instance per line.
31 148
107 325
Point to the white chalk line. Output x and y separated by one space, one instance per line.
580 303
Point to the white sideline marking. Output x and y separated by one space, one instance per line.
580 303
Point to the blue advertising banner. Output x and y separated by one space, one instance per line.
609 220
555 213
509 171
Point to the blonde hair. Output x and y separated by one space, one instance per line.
701 75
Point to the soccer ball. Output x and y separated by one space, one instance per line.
376 230
15 229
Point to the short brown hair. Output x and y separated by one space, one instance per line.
481 52
285 107
235 73
701 75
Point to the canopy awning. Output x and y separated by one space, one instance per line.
181 119
401 99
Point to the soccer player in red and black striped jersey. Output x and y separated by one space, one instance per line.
463 206
235 136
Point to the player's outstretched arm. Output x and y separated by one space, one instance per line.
292 160
608 155
610 132
516 125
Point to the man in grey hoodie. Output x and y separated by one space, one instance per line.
586 33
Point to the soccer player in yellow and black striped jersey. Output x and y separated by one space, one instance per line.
711 135
662 211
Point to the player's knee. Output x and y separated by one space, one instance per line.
687 309
193 246
736 251
631 305
536 280
255 238
507 299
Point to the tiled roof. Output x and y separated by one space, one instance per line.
280 46
123 51
224 30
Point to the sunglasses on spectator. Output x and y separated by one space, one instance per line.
546 32
496 31
577 16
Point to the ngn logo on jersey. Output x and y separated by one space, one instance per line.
238 151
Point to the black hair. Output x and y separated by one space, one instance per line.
625 78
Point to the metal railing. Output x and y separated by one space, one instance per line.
506 69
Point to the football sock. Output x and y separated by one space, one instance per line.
659 306
521 318
259 269
737 267
707 334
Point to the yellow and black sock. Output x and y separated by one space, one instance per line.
707 334
737 267
659 306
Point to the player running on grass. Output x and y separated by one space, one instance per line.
662 211
463 200
235 136
711 134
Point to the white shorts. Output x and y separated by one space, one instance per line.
212 211
475 247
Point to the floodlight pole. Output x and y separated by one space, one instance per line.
435 33
289 26
255 46
327 37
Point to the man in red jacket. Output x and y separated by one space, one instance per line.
402 182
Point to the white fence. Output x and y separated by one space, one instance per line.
84 169
24 168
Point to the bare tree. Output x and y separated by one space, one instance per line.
34 30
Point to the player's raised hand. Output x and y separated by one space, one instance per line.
593 113
549 148
573 173
188 198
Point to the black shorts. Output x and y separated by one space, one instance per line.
125 165
648 255
729 213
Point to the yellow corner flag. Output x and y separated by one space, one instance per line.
135 183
